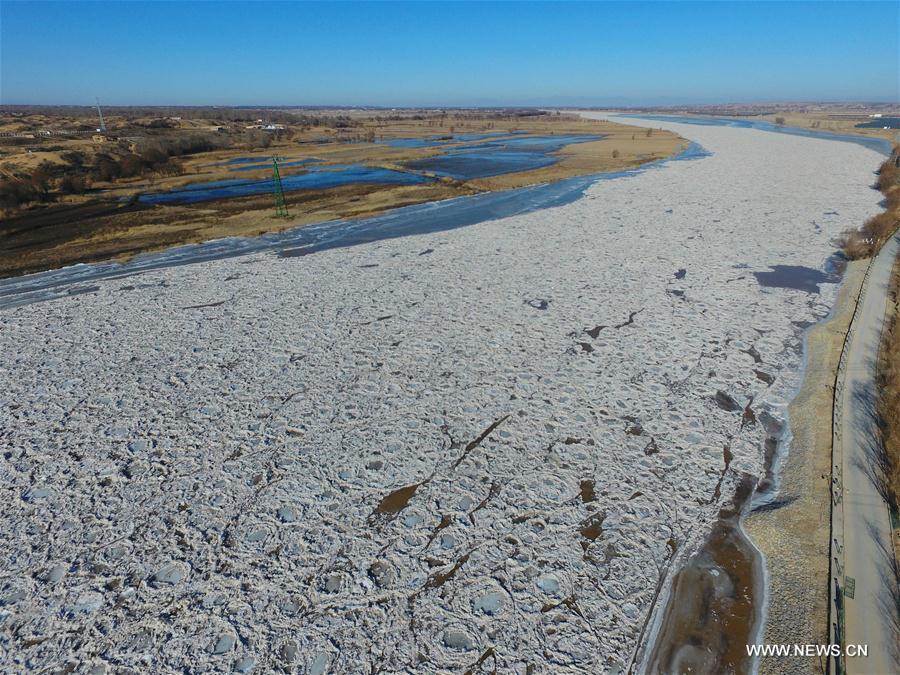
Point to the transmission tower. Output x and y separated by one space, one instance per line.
102 128
280 207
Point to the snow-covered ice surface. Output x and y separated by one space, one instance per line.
202 466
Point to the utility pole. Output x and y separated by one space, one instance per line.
280 207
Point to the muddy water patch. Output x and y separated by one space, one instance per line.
714 607
591 529
394 502
586 493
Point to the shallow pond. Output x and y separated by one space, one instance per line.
267 164
317 178
499 156
437 141
881 123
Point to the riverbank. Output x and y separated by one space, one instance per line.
792 532
118 228
866 121
846 123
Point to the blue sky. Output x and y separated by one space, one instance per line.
435 53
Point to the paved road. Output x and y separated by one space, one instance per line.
866 527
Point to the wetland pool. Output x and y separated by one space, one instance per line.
486 155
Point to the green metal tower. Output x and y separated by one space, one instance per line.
280 207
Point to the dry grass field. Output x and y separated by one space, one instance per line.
832 122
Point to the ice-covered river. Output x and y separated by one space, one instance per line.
470 448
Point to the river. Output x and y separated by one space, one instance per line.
486 431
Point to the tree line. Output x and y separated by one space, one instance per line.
158 155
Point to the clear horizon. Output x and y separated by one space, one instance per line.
448 54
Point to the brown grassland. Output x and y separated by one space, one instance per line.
829 122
